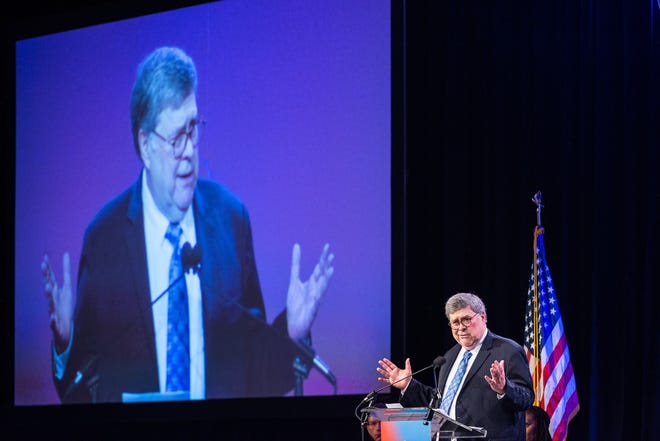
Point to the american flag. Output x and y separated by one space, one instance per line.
552 372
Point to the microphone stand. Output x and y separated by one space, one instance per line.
301 372
430 412
372 395
365 415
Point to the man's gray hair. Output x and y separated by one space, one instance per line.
463 300
165 78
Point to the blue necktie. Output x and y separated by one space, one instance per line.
178 348
455 382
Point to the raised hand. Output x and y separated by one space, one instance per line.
60 302
497 379
391 374
303 298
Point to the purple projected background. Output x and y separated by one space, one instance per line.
296 95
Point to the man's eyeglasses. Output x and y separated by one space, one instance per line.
465 321
180 141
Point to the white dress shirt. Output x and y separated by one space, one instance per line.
159 254
454 368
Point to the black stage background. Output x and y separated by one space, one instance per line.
502 99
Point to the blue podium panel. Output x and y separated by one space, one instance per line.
405 431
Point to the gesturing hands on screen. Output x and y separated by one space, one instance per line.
60 302
304 298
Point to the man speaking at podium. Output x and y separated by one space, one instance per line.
141 327
484 383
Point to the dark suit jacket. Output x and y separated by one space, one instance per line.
476 403
114 342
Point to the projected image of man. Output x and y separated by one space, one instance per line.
207 335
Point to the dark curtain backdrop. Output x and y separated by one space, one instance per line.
506 98
502 99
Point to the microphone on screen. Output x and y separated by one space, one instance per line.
191 260
191 257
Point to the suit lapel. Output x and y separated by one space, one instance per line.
206 235
444 371
137 261
482 356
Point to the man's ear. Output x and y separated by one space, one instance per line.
145 150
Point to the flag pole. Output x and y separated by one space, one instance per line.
537 350
546 348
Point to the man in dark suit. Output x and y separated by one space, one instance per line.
485 381
119 344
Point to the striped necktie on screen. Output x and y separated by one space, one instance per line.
178 347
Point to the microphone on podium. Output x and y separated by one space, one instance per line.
437 362
430 412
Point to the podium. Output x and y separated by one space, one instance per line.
412 424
